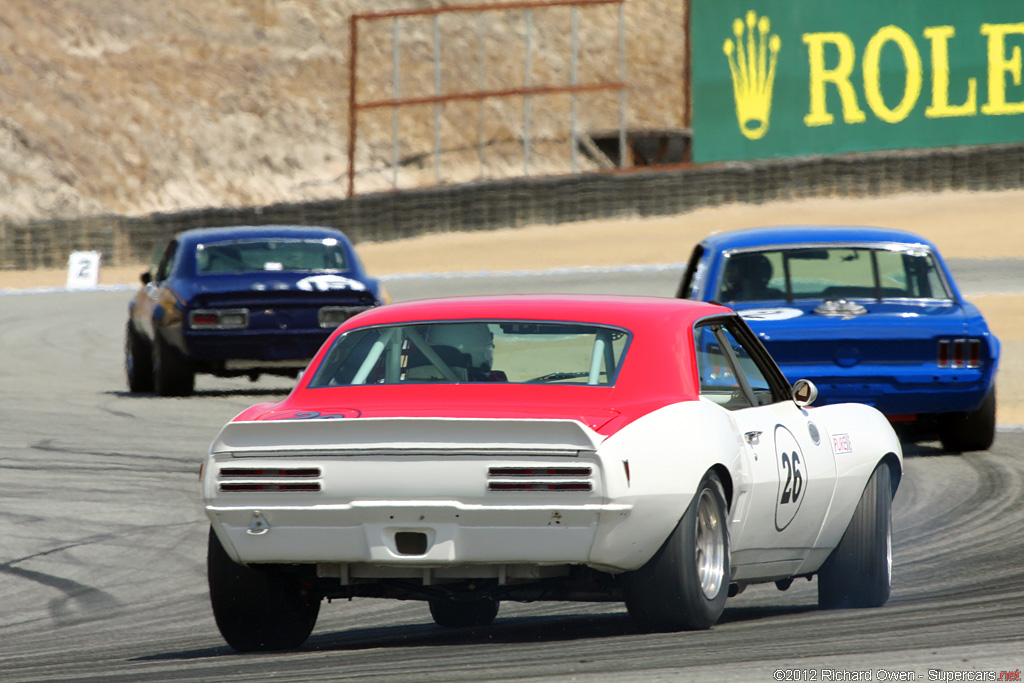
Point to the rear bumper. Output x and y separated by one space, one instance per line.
896 391
262 345
397 494
411 533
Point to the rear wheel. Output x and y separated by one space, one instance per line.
974 431
463 614
258 609
173 374
685 584
858 573
138 361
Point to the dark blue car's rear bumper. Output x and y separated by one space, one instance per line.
257 345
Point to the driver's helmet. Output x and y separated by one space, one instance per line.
746 272
474 339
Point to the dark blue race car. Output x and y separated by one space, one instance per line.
870 315
240 302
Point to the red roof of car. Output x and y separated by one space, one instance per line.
658 369
623 311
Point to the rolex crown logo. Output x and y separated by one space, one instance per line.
752 64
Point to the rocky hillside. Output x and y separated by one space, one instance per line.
140 106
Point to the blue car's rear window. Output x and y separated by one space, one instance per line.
259 255
831 273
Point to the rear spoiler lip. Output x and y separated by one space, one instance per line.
406 436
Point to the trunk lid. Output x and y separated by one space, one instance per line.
884 333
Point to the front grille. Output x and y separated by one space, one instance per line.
573 478
243 479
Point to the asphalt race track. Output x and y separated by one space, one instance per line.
102 543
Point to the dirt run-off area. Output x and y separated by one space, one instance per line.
978 225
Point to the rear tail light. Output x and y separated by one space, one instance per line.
332 316
944 345
219 318
574 478
959 353
252 486
540 486
269 479
287 472
974 353
539 471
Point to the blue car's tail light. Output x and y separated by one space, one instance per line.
959 353
974 353
219 318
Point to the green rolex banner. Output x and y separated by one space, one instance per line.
775 78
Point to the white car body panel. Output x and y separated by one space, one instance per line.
434 434
380 477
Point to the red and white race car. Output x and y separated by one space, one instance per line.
472 450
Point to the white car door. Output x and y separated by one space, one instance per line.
786 486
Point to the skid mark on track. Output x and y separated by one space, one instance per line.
78 603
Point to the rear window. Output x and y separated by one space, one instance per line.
478 351
831 273
251 256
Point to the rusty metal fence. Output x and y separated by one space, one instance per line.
543 200
475 81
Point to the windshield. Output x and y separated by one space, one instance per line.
831 273
258 255
479 351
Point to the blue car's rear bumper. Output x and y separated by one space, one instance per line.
899 391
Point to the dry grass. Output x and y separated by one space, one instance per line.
136 106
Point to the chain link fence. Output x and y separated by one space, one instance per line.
126 240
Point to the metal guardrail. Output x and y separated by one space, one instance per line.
538 200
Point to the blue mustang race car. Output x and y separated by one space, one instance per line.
870 315
241 301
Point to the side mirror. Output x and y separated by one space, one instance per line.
804 392
146 278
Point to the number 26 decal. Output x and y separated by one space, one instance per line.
794 478
793 481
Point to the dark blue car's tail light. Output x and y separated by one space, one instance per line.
332 316
219 318
959 353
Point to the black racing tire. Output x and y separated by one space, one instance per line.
684 586
974 431
173 374
138 361
463 613
858 572
258 609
